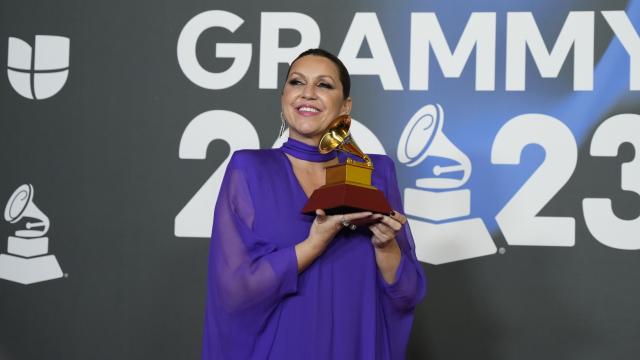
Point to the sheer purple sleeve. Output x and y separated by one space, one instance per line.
409 286
399 298
248 275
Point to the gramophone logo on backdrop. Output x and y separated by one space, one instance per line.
437 207
27 261
39 72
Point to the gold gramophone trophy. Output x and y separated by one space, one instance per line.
348 186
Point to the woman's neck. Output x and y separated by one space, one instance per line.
313 141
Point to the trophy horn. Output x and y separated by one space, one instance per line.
337 137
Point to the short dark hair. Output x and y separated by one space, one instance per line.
345 79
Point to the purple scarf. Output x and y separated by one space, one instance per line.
306 152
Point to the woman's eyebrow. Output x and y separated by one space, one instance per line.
318 77
326 76
297 73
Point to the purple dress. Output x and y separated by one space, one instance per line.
340 307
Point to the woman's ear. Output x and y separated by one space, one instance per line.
346 106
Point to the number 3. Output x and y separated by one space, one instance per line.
603 224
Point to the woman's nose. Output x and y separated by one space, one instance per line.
309 91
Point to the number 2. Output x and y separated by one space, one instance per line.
518 219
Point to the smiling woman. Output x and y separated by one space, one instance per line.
316 92
285 285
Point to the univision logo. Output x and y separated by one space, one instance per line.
39 72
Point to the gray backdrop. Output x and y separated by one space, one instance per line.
102 155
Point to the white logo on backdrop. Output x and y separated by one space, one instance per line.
27 261
39 72
436 206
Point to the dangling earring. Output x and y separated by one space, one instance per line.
283 126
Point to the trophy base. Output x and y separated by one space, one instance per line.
29 271
347 198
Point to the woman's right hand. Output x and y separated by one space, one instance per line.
325 227
323 230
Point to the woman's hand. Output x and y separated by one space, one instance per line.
387 251
323 230
325 227
384 231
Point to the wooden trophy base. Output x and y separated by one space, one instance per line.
347 198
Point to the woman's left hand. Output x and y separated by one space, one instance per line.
384 231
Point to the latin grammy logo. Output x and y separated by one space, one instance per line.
27 261
436 207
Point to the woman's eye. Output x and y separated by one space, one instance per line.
295 82
325 85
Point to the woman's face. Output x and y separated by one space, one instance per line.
312 98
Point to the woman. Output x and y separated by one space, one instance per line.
284 285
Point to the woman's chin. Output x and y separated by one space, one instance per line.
308 132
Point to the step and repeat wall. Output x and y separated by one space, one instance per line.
514 126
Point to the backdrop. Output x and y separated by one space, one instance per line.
514 127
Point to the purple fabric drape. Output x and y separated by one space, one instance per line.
259 307
306 152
